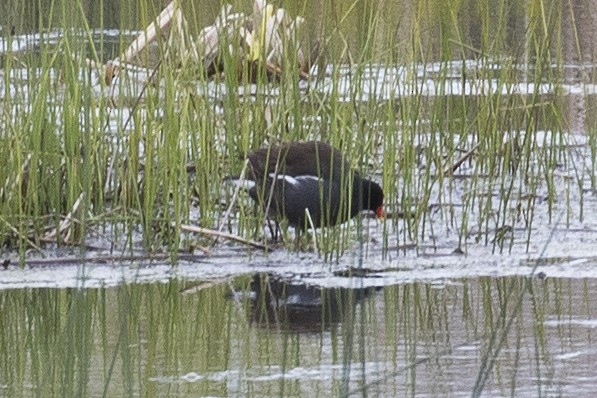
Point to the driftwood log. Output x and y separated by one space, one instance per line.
268 38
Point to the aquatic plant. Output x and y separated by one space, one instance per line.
463 127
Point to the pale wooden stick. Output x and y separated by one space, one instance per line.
66 223
225 235
314 234
16 231
234 197
453 167
150 33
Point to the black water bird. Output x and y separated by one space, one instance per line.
310 184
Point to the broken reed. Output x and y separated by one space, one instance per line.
125 158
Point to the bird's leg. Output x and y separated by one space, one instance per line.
279 231
273 232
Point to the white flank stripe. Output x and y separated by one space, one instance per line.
293 180
307 178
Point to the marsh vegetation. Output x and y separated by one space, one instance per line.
477 118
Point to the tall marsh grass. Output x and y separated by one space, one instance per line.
460 76
459 109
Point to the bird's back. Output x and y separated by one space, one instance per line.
312 158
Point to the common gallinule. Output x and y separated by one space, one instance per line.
311 177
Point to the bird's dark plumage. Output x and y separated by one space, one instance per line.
311 176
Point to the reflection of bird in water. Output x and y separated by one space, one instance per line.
284 304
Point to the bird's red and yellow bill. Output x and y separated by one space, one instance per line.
379 212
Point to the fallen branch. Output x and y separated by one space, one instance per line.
452 168
162 21
17 233
66 223
220 234
267 37
232 202
110 259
